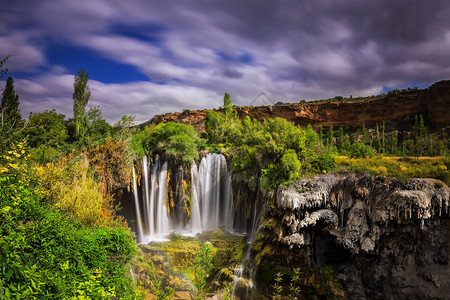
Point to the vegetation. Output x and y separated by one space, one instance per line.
277 288
60 237
80 97
49 253
158 289
399 167
203 265
11 123
47 135
72 188
268 154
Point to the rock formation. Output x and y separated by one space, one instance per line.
433 103
385 239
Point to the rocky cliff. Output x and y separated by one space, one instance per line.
433 103
385 239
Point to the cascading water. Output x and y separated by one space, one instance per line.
162 218
214 197
211 207
196 221
139 229
154 224
243 285
211 199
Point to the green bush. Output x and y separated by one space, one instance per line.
72 188
175 140
47 255
359 150
324 163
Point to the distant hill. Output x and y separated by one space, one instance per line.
433 103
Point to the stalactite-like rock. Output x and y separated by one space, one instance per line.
393 237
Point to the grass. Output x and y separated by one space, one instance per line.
400 167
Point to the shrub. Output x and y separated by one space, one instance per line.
359 150
324 163
72 189
282 171
47 255
175 140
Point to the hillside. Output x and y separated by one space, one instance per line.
433 103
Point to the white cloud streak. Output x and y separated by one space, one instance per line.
291 50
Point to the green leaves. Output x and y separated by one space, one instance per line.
203 265
44 254
80 97
175 140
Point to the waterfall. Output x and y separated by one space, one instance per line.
155 221
244 273
153 195
162 218
146 195
211 199
139 229
196 221
215 197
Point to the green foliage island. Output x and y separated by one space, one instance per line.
60 236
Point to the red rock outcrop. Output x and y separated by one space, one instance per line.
433 103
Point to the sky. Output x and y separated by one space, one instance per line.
149 57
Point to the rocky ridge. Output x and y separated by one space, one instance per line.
433 103
386 239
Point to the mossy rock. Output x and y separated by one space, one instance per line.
176 258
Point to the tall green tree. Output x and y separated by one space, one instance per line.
223 128
80 97
98 130
227 104
11 123
124 128
10 105
47 135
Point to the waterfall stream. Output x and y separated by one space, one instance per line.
211 199
244 274
140 231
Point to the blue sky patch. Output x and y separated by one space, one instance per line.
102 69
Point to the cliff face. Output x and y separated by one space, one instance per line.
433 103
385 239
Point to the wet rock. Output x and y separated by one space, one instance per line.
393 237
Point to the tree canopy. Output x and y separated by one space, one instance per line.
10 105
80 97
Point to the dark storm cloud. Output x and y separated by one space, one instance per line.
231 73
288 49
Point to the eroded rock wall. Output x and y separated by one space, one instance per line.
385 239
433 103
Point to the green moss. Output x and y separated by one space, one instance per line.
266 251
271 224
177 256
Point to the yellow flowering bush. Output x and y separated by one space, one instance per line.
398 167
72 188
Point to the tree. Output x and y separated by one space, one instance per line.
11 123
47 135
10 105
47 128
175 140
80 97
124 127
98 130
224 128
227 104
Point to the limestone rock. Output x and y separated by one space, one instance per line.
396 234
